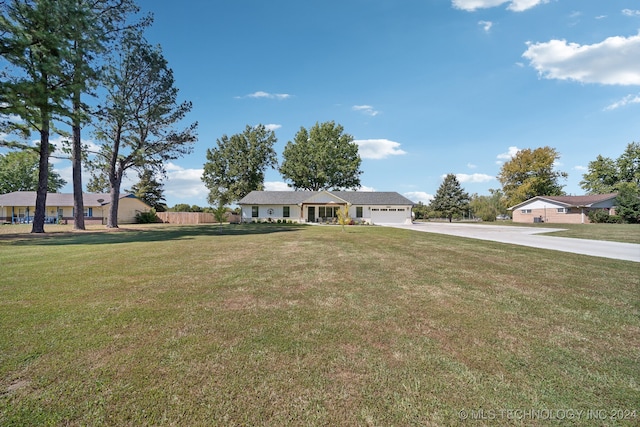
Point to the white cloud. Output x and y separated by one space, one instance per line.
366 109
630 12
474 177
486 25
629 99
471 166
614 61
581 168
184 183
508 155
419 196
272 126
266 95
378 148
514 5
277 186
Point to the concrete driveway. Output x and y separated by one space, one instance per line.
530 236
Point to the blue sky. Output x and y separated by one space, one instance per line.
426 87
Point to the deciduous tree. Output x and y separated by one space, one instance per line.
489 207
602 176
450 199
237 165
322 158
606 175
531 173
629 164
19 172
628 202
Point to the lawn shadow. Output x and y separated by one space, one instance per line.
131 235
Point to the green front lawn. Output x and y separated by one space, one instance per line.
626 233
303 325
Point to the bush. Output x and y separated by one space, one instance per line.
147 217
601 216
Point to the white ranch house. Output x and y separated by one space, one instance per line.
323 206
19 207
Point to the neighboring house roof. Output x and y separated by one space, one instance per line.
572 201
28 198
298 197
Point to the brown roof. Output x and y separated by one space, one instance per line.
582 200
570 201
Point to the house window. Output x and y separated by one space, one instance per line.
525 211
564 210
88 212
358 211
327 211
254 211
286 212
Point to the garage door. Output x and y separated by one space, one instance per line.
388 215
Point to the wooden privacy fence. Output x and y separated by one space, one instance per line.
193 218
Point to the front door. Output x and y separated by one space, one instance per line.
311 213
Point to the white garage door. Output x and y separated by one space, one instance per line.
388 215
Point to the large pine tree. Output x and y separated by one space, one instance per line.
35 45
450 199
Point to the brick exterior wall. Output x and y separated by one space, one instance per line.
551 215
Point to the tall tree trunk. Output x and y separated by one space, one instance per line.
112 221
115 179
43 178
76 158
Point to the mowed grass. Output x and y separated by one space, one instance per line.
626 233
303 325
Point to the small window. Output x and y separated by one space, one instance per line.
358 211
525 211
254 211
286 212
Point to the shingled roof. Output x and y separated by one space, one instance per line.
298 197
582 200
576 201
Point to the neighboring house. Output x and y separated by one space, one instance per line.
19 207
563 209
323 206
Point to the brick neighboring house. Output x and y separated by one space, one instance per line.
563 209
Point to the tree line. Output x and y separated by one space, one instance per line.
77 64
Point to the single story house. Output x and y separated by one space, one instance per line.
322 206
563 209
19 207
